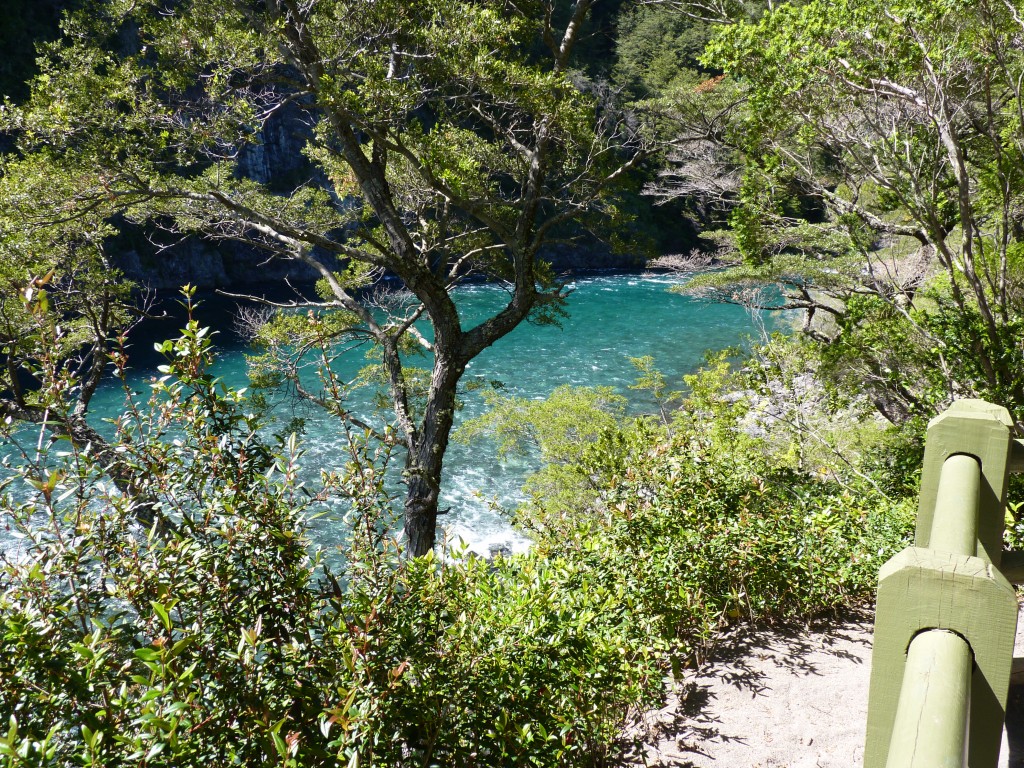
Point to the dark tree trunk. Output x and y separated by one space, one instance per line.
453 349
425 459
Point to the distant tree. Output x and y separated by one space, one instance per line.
685 102
879 156
447 140
655 47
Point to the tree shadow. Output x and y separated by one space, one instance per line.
741 659
1015 726
788 645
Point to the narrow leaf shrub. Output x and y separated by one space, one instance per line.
162 602
182 617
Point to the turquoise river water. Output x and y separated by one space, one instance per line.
611 318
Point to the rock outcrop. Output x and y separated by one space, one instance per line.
277 160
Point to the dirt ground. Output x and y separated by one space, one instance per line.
786 698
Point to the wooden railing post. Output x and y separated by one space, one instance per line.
930 725
930 729
944 602
982 430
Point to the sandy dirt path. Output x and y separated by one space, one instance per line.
786 698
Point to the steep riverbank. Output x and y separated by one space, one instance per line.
173 262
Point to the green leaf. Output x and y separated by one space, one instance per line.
163 614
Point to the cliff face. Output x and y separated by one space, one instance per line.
161 263
206 265
590 255
277 159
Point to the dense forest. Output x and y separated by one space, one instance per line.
854 162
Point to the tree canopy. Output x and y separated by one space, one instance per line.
877 152
445 141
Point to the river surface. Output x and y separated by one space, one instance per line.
611 318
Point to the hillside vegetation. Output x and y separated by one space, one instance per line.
162 601
224 635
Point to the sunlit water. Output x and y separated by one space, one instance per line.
611 318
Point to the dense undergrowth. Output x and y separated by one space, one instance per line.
163 602
217 634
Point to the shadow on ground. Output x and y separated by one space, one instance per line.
765 696
1015 726
783 696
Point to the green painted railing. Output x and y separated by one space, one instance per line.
946 614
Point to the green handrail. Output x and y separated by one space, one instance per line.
946 616
930 729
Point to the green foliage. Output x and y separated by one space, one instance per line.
758 500
415 380
880 351
152 636
559 431
444 141
215 632
652 381
655 46
70 262
219 634
910 238
913 364
156 115
163 603
701 540
559 426
285 339
527 661
967 346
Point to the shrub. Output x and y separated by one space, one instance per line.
700 522
164 603
218 634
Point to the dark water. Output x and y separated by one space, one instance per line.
612 318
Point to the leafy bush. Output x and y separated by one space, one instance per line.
217 634
163 603
736 508
560 431
699 541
